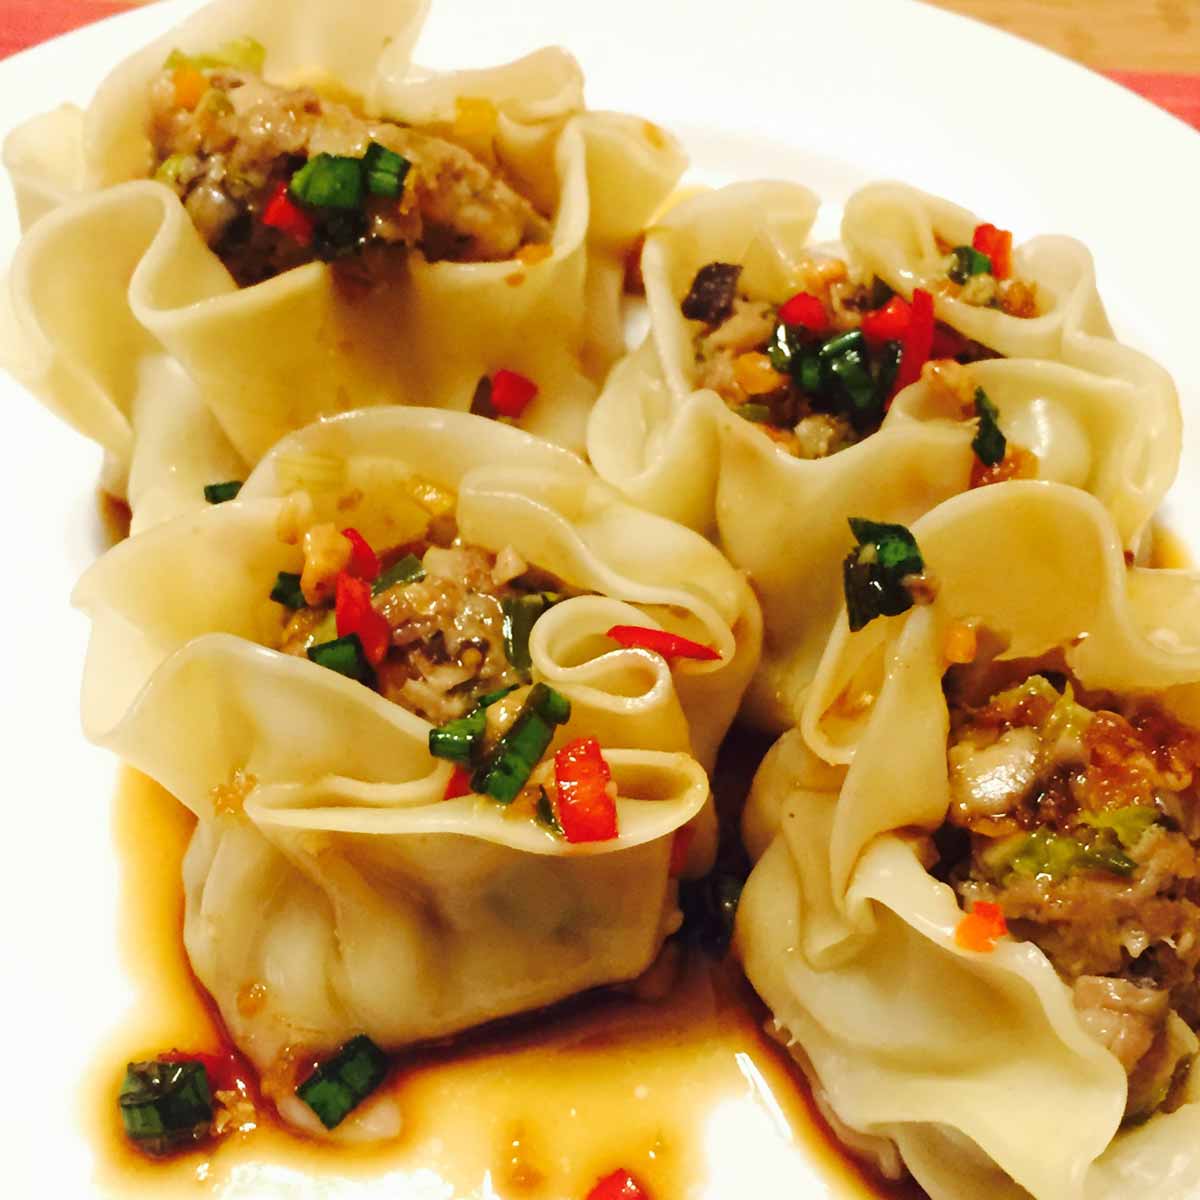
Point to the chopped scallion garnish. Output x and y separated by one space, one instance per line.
218 493
329 181
989 443
287 590
385 170
344 655
341 1084
508 767
460 740
874 573
520 615
165 1106
406 570
967 261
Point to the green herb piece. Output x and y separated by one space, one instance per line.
785 347
345 656
873 573
329 181
835 347
709 907
546 813
888 367
459 740
287 590
341 1084
170 169
218 493
165 1106
505 771
520 615
1129 824
243 54
967 261
808 373
989 442
852 371
385 170
406 570
1044 854
760 414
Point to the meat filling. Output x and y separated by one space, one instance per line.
1077 814
226 141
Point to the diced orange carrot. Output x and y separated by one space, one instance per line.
961 643
190 86
980 928
755 375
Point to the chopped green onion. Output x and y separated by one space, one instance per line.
1044 854
385 170
504 773
520 615
459 740
888 368
760 414
339 233
808 374
170 169
345 656
342 1083
967 261
329 181
218 493
989 442
243 54
851 370
709 907
165 1106
1129 824
546 813
407 570
874 572
785 346
835 347
287 590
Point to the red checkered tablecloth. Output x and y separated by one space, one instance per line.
24 23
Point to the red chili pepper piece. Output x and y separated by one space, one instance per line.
681 843
997 245
586 812
511 393
620 1185
805 309
224 1071
288 217
947 342
459 783
669 645
889 323
917 342
354 614
364 562
980 928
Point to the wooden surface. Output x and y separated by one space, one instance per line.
1126 35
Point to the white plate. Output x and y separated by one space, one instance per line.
828 94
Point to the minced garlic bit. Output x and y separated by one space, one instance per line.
228 799
950 380
234 1112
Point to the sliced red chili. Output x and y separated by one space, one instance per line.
980 928
669 645
511 393
459 784
917 342
586 811
620 1185
806 310
889 323
947 342
284 214
364 562
354 614
997 245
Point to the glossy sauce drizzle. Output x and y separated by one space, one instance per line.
687 1092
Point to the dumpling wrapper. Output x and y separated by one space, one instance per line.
377 906
271 358
974 1065
1100 416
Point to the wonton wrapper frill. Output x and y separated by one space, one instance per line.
376 905
1108 423
112 272
975 1065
